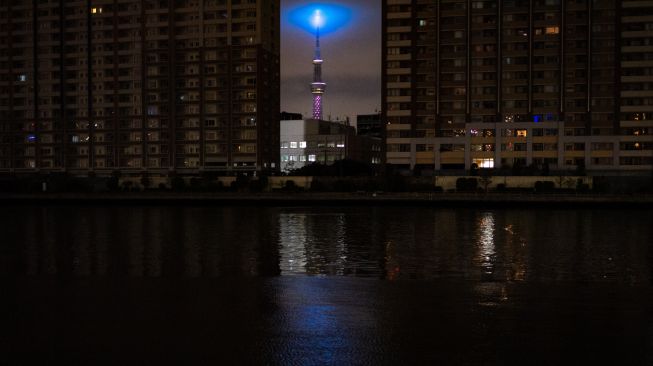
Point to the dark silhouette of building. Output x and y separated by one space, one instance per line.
289 116
139 85
369 125
562 84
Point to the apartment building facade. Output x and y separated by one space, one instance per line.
556 83
139 85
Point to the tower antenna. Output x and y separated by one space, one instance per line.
318 87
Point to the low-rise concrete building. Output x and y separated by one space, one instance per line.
308 141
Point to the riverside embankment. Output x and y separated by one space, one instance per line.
336 199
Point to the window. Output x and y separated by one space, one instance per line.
312 157
302 144
293 144
484 163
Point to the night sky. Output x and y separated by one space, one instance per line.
352 62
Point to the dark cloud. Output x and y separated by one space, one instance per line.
352 63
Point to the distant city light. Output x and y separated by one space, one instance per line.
327 17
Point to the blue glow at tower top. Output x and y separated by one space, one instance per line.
328 18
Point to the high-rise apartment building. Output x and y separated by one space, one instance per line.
554 83
139 85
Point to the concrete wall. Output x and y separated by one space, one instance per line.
280 182
447 182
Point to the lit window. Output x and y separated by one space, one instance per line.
293 145
484 163
522 133
284 157
312 157
302 144
22 77
284 145
96 10
552 30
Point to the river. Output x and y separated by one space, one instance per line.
325 285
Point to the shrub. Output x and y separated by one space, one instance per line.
146 182
196 184
371 185
127 186
178 184
544 186
344 185
241 183
466 184
317 185
215 186
291 186
581 186
114 181
397 183
422 187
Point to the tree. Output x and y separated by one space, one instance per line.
146 182
485 178
114 181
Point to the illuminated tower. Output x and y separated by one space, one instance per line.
317 86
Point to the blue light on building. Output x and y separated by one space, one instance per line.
329 18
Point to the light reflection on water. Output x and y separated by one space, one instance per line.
485 242
292 243
382 242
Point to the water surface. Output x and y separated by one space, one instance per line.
350 285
